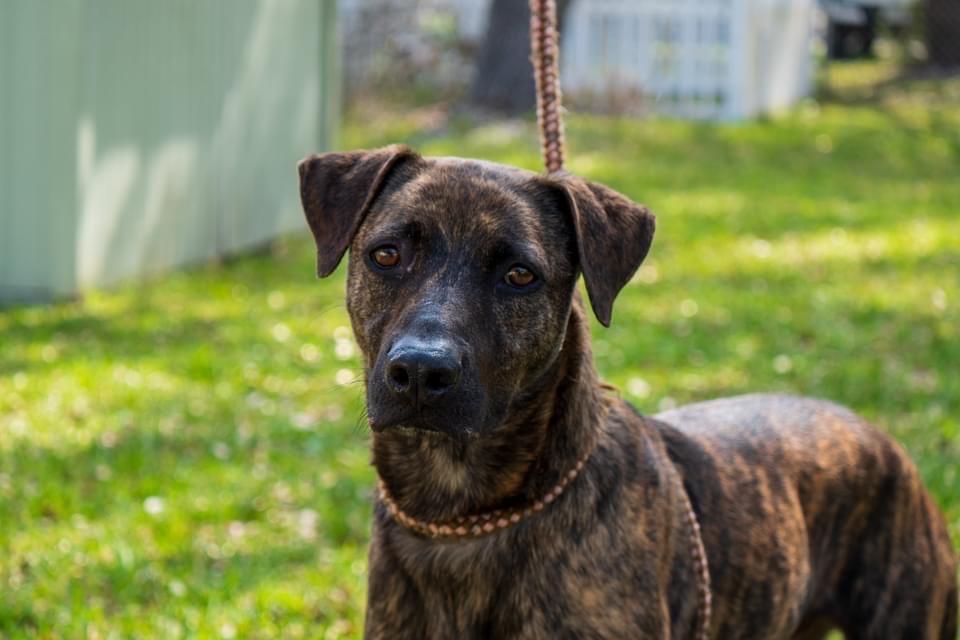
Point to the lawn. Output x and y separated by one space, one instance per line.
187 457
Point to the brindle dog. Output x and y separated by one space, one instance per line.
482 394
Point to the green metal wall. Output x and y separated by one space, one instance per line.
140 136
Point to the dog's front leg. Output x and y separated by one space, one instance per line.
394 608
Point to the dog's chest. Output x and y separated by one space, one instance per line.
525 584
460 582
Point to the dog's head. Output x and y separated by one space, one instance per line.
461 276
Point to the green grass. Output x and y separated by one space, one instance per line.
187 458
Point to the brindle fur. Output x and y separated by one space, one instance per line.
811 518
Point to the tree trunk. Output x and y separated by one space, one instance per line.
943 32
503 80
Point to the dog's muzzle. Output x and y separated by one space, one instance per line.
423 373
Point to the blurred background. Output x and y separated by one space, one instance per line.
183 452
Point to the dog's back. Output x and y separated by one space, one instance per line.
832 490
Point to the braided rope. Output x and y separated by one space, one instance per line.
702 569
545 57
479 524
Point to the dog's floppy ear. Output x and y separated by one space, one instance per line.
336 190
613 237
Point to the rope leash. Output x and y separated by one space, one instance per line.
546 73
702 569
544 54
479 524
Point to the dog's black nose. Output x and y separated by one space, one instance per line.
422 371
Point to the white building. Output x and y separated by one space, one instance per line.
704 59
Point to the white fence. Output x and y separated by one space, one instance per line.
704 59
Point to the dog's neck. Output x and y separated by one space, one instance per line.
434 477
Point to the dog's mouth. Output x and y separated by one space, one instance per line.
421 433
407 424
407 428
419 429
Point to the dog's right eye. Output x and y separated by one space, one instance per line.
386 257
519 277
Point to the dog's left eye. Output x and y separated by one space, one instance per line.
386 257
519 277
